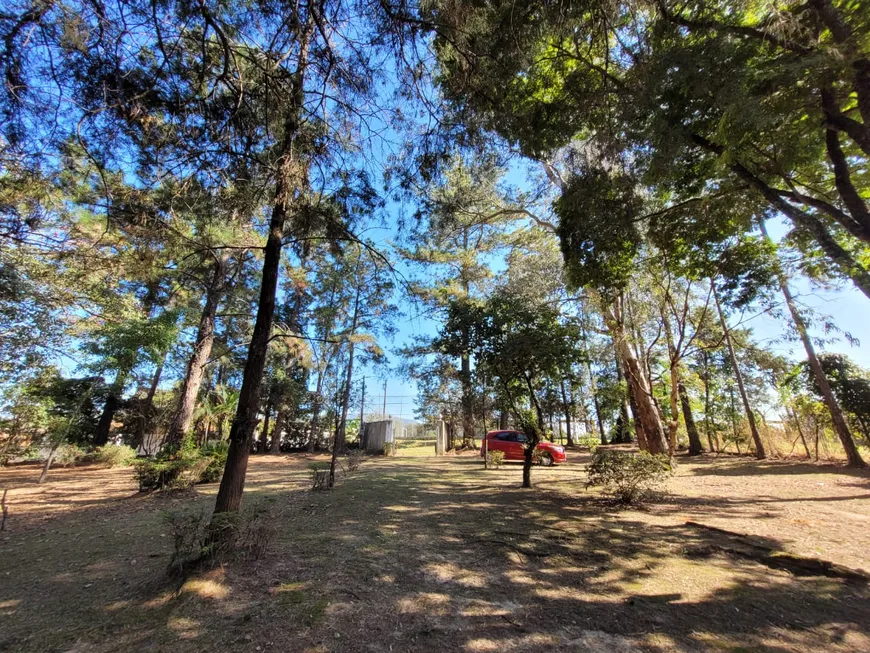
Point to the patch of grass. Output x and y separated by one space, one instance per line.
298 597
290 593
317 609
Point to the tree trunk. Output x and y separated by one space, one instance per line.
467 398
531 438
734 419
750 416
800 429
674 362
465 364
113 402
593 386
647 413
624 405
593 390
315 419
341 430
841 428
338 446
147 410
316 404
64 438
232 485
264 433
48 461
280 397
695 446
275 449
205 335
567 407
483 410
707 420
291 176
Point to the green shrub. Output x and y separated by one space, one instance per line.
591 442
169 474
390 449
217 454
494 458
629 477
175 467
115 455
67 455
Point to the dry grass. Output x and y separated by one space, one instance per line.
420 554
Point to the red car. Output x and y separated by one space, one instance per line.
511 442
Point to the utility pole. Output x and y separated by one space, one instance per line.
385 399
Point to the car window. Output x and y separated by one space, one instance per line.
502 436
521 437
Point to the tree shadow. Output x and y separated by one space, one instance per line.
709 464
423 555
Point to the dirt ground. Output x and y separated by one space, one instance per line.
434 554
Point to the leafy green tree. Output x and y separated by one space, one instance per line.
713 105
119 345
520 344
462 222
365 310
849 383
264 97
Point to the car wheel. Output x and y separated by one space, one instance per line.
546 460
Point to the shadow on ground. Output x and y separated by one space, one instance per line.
418 554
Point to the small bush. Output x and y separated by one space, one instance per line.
352 461
67 455
198 540
494 458
629 477
320 479
115 455
389 449
318 465
256 530
169 474
188 530
11 448
176 467
319 475
217 454
591 442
